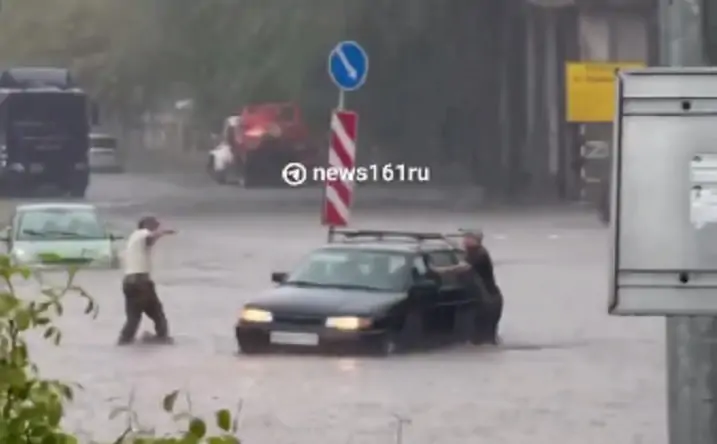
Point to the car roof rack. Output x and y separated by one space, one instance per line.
339 235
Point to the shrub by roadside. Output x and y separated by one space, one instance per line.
32 407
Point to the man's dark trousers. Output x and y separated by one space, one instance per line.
141 298
491 313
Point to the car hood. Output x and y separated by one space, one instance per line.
326 301
65 249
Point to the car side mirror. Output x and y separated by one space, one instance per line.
278 277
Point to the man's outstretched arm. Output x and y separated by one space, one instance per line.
155 235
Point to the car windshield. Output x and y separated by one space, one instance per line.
354 269
60 224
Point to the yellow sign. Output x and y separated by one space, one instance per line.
590 90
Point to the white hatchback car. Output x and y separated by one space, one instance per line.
57 234
103 155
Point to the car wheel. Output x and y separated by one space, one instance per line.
386 346
252 175
78 192
411 332
252 348
219 177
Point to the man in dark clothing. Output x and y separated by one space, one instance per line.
478 260
138 287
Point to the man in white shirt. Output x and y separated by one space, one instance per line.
139 290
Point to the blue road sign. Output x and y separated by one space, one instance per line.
348 65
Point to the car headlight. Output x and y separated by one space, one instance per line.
348 323
256 315
21 256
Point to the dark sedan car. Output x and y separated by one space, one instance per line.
371 291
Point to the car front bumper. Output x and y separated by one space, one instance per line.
98 264
264 336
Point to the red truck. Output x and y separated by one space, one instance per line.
258 142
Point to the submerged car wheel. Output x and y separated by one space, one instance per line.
219 177
252 348
411 332
78 191
387 345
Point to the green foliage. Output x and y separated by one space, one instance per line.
32 407
193 429
224 53
428 58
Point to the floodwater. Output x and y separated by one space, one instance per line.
566 373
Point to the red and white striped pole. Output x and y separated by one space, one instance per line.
338 195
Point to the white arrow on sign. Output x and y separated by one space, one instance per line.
350 70
595 149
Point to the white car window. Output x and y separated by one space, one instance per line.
59 224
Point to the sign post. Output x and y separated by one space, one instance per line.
664 230
348 68
338 195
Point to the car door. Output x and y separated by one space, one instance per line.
450 292
424 299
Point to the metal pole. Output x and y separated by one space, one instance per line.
691 340
342 100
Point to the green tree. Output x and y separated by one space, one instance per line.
426 57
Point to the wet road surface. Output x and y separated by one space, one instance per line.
566 372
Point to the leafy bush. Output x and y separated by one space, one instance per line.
32 408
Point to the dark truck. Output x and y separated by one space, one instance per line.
45 121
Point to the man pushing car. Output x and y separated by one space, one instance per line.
479 262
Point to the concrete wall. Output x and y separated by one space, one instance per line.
602 30
551 40
608 35
614 35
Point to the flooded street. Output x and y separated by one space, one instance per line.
566 373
